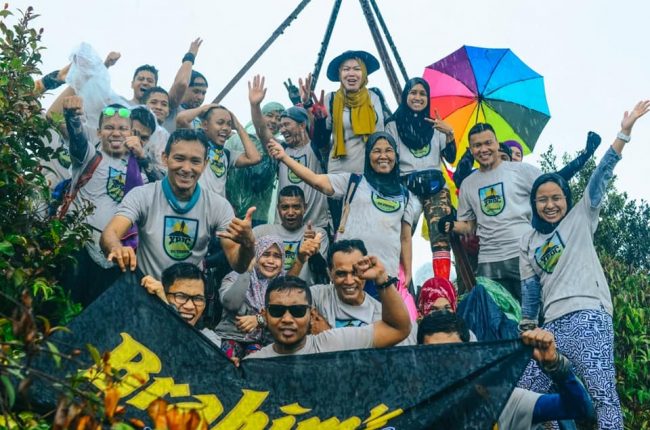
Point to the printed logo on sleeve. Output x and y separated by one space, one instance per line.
216 157
349 323
493 199
385 205
290 253
179 237
293 178
115 184
422 152
547 255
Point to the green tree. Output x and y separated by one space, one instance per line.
623 245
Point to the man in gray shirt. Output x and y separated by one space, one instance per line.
288 313
308 266
494 201
175 218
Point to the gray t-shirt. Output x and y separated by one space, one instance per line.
517 414
355 146
232 294
566 263
499 201
292 241
315 201
340 314
427 158
105 189
375 219
340 339
213 178
167 237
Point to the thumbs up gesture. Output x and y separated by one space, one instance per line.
240 230
309 231
309 247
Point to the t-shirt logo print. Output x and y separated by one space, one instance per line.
421 152
290 253
217 165
293 178
180 237
493 199
549 253
385 205
115 184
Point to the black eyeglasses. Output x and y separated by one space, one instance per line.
296 311
182 298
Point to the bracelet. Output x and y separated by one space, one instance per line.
624 137
261 322
309 103
390 281
189 57
50 80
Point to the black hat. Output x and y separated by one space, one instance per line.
371 63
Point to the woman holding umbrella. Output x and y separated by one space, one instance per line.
377 209
422 143
558 257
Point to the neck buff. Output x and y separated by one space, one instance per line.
175 203
413 130
362 113
388 184
538 223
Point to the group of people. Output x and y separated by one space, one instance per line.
323 263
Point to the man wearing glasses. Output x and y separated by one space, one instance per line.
99 176
289 314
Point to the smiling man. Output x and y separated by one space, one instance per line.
288 313
494 201
293 127
294 231
144 78
175 218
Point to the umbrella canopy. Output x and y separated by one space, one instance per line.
475 84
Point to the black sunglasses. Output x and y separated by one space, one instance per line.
296 311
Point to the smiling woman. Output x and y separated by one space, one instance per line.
242 328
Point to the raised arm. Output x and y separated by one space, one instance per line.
72 112
238 242
182 79
605 169
317 181
395 324
184 119
251 155
569 171
256 94
123 256
308 249
449 151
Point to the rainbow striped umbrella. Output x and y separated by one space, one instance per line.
475 84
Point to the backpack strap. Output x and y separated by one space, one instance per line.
353 184
85 176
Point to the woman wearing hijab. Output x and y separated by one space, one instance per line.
422 143
436 294
354 111
376 207
242 327
558 262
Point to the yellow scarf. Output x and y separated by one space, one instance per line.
362 113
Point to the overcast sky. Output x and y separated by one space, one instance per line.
592 54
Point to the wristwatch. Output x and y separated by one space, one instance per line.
624 137
261 322
390 281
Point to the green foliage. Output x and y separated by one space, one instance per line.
623 244
34 249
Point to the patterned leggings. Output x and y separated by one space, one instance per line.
587 339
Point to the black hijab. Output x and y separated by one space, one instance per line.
538 223
413 130
388 184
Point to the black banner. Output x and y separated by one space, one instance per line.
459 386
